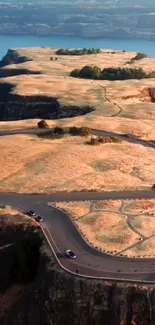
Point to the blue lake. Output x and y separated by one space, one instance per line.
7 42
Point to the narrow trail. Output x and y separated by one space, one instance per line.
120 109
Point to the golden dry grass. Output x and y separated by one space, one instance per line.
107 230
125 98
144 249
76 209
144 224
105 225
40 165
139 206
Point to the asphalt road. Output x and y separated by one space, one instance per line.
63 235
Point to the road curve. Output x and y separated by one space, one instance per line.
125 137
63 235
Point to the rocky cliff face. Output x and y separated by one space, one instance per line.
12 57
36 291
16 107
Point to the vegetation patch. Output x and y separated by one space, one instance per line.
83 51
58 132
94 141
80 131
94 72
139 56
104 165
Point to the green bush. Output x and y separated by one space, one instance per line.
58 130
42 124
83 51
140 56
101 140
151 74
75 73
73 130
84 131
50 135
80 131
94 72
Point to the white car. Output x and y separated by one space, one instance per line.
70 254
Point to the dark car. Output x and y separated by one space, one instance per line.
31 213
39 218
70 254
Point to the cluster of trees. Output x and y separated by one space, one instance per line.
94 72
138 56
59 131
83 51
83 131
94 141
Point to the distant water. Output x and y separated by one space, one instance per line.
7 42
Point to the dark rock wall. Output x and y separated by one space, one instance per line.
12 57
16 107
54 297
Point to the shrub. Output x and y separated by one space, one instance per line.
93 141
123 73
90 72
151 74
58 130
101 140
42 124
75 73
140 56
83 51
94 72
83 131
50 135
73 130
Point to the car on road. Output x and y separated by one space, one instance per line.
70 254
39 218
31 213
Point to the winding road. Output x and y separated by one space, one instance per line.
62 234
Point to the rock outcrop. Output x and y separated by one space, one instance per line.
13 57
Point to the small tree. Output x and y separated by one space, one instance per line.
140 56
100 140
73 130
58 130
93 141
84 131
75 73
42 124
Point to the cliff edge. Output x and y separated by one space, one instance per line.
34 290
